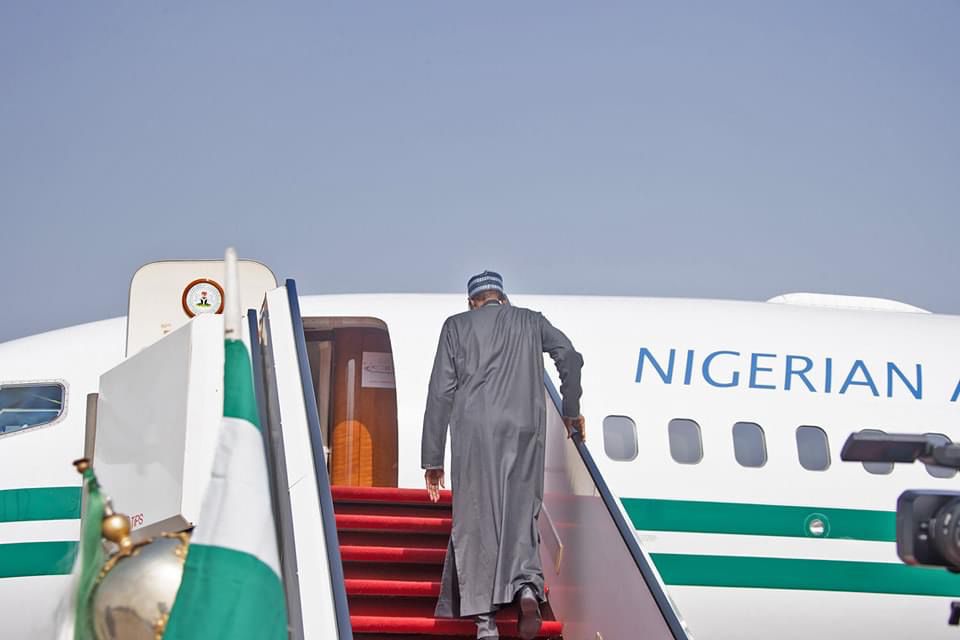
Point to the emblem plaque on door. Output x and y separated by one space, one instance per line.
202 296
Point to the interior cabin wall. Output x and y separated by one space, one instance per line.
320 355
358 410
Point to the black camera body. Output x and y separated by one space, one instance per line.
928 521
928 525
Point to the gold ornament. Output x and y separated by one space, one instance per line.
116 529
136 590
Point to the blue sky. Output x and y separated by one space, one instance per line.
732 150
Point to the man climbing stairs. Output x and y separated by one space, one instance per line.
392 542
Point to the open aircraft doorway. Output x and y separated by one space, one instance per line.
351 363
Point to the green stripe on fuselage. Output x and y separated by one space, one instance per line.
759 519
816 575
783 573
22 559
36 559
39 503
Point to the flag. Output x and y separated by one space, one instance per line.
73 619
231 586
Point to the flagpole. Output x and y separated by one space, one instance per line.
231 319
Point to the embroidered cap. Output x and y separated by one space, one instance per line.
486 281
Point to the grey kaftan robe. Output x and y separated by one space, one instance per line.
487 384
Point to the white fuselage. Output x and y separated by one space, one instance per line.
775 550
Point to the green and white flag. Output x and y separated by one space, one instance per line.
231 585
73 619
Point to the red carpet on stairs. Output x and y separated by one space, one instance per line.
393 542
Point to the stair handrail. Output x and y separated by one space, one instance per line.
279 496
626 531
334 561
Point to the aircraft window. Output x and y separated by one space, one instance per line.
620 438
686 446
935 470
749 445
29 405
879 468
813 448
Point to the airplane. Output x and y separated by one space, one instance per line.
708 500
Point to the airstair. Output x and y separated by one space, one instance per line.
392 543
366 562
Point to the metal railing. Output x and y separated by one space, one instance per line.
265 387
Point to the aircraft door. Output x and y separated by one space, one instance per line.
363 409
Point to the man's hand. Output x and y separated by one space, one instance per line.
434 479
577 423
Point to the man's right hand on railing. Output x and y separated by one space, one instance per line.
577 423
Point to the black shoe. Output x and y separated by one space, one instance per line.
529 620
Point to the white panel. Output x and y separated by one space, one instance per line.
39 531
590 552
157 423
720 613
313 571
156 295
27 605
720 544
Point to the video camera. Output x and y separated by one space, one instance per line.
928 521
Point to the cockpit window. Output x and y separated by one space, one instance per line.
23 406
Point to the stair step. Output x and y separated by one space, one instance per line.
388 495
384 509
442 626
391 571
409 524
351 553
400 588
417 607
397 588
393 543
390 539
386 636
391 607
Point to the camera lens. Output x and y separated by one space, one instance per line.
946 532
